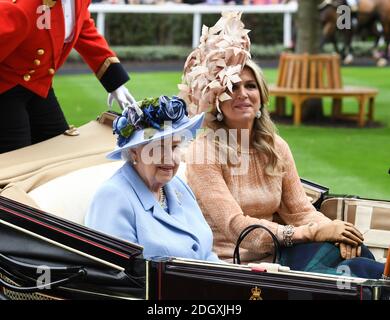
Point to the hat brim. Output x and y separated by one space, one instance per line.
187 129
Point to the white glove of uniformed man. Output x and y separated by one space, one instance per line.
122 96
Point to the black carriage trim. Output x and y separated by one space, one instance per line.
69 234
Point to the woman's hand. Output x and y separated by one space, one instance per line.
339 231
349 252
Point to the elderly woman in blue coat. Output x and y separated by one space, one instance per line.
144 202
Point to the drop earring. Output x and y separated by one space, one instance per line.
219 114
258 114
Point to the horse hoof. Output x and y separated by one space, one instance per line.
381 62
348 59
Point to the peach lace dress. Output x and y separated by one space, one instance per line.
232 200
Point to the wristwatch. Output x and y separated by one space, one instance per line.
288 232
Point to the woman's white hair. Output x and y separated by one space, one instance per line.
126 156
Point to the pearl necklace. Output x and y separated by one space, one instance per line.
163 199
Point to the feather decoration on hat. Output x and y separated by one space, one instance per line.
212 68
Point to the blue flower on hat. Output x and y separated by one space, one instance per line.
151 117
155 111
172 109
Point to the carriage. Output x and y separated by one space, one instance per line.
46 253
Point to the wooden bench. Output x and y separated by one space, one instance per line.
303 76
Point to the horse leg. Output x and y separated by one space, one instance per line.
377 34
386 33
328 30
383 61
347 52
322 43
335 45
331 39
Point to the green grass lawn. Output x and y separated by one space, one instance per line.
347 160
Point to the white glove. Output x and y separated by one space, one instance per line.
122 96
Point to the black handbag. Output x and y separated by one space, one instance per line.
244 233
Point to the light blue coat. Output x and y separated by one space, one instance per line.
125 208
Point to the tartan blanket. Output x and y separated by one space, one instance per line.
324 257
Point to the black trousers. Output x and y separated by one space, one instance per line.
26 118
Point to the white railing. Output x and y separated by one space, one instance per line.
197 10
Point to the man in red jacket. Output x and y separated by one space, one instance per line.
36 37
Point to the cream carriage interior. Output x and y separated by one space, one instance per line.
60 176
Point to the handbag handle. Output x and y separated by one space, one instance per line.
52 285
31 267
23 268
243 235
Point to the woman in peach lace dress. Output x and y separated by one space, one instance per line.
242 172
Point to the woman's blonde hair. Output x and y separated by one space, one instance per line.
264 131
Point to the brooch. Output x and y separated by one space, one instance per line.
179 196
49 3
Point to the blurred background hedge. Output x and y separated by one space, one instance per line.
147 53
161 37
176 29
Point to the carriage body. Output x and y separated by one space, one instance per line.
45 191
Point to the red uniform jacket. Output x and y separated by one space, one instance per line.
30 56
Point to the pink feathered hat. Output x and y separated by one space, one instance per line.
214 66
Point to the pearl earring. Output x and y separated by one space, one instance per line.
219 114
258 114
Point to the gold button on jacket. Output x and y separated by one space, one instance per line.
26 77
51 71
40 52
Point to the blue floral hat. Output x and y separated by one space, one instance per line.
153 119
